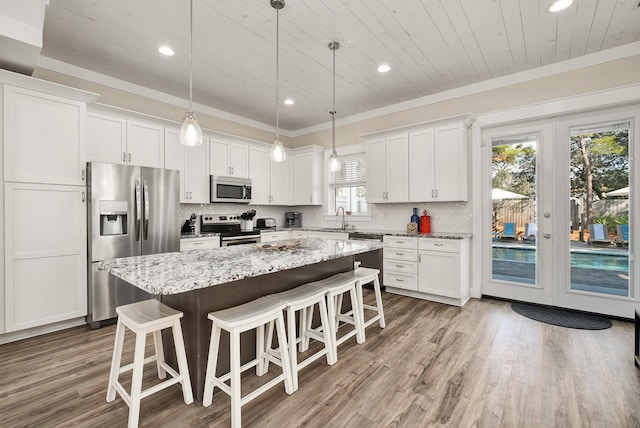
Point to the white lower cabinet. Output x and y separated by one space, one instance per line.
199 243
45 254
271 236
298 234
400 258
327 235
428 268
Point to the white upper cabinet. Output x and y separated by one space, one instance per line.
438 164
116 140
145 144
387 168
269 180
228 158
44 138
306 176
193 164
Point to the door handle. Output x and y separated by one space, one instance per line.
547 236
82 174
145 230
138 208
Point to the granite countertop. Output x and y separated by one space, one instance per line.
432 235
197 235
173 273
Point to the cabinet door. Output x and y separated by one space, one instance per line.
259 172
145 144
273 236
376 187
302 179
45 266
280 191
106 139
219 157
198 183
421 164
450 158
239 160
397 168
174 158
44 138
439 273
327 235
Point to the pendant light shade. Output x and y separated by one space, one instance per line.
190 131
334 162
278 152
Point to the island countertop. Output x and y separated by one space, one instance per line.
174 273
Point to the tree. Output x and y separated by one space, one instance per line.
514 168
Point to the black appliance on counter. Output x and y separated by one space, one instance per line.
292 219
230 229
266 223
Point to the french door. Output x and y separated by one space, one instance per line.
550 233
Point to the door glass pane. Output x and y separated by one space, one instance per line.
599 209
514 224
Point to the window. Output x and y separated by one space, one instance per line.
348 185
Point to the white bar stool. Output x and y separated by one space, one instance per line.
363 276
142 318
304 299
335 287
252 315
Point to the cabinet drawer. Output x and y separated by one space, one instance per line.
400 254
449 246
409 282
194 243
299 234
405 267
274 236
401 242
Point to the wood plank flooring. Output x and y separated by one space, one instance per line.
434 365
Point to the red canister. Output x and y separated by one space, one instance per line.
425 223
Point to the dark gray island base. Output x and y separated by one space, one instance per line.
197 304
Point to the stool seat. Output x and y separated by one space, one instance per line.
236 320
363 276
142 318
303 299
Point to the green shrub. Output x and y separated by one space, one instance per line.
606 219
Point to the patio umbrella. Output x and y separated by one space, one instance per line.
497 194
620 192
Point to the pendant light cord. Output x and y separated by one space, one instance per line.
191 57
333 112
277 68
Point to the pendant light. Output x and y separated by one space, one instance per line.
277 152
190 131
334 162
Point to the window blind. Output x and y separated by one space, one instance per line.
352 173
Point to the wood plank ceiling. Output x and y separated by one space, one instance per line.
431 46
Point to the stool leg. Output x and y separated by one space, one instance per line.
338 303
359 306
326 332
331 315
268 345
157 344
260 351
183 366
303 328
115 362
356 314
304 344
212 363
236 398
136 381
284 355
292 344
376 289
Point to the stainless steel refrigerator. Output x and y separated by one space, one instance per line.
132 211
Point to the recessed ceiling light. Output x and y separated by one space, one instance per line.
558 5
383 68
166 50
289 101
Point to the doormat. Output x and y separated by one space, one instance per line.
562 317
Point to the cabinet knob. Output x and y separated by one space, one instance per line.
82 174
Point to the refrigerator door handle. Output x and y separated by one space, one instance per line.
138 208
145 229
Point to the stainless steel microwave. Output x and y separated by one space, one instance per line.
230 189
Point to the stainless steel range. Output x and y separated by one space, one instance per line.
230 229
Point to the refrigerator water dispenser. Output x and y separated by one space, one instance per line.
113 218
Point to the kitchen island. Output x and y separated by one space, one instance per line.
197 282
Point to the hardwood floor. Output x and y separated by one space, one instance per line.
434 365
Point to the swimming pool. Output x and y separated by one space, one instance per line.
615 262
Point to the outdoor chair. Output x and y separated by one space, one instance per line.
509 231
599 234
530 232
623 234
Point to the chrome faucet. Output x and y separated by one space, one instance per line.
344 224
